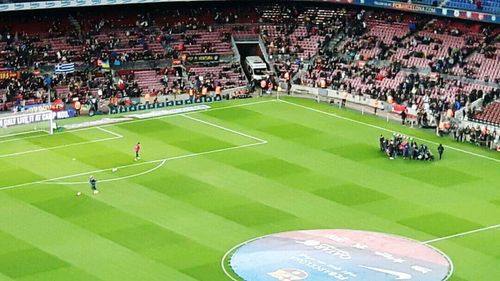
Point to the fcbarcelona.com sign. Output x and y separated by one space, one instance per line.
326 255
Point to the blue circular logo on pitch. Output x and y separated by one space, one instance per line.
325 255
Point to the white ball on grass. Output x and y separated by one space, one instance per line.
78 193
114 169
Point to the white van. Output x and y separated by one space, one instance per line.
257 67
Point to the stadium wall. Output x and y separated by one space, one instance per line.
385 4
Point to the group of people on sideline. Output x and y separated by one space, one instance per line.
407 148
478 135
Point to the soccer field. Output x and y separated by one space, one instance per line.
210 180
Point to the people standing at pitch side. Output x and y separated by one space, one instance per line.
406 147
440 151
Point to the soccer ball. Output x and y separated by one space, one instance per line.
114 169
96 191
78 193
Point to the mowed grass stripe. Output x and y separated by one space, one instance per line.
440 169
119 152
146 238
180 128
470 261
181 218
346 132
32 143
194 236
202 227
317 171
368 121
4 277
65 273
386 176
486 242
77 246
271 194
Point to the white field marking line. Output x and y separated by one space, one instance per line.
462 234
224 258
109 132
260 141
25 138
23 133
450 261
152 161
134 121
41 135
131 165
115 136
388 130
113 179
47 135
171 115
230 106
224 128
138 120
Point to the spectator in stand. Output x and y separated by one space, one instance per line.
479 4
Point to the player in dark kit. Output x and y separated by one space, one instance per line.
137 150
93 184
440 151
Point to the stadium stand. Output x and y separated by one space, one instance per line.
491 6
490 114
424 63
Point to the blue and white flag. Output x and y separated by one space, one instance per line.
63 68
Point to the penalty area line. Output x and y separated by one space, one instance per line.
38 134
224 128
115 136
110 132
162 162
113 179
388 130
462 234
181 114
48 135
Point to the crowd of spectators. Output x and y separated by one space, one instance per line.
487 97
376 55
477 135
380 62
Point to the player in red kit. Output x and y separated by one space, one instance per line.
137 149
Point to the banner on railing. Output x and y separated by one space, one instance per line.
35 117
22 119
4 75
140 107
36 107
202 58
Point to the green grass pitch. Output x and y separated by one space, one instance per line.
210 180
